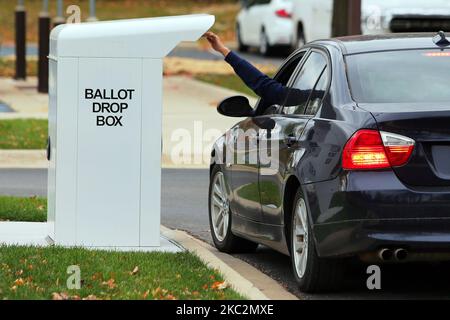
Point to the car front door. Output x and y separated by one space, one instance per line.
244 164
279 147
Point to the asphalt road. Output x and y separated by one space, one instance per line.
184 206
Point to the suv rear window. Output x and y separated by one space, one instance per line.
400 76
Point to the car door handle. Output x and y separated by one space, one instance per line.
291 140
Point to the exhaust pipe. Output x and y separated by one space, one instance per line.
400 254
385 254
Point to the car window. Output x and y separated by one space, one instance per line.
283 77
315 100
304 84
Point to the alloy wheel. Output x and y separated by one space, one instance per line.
300 237
220 208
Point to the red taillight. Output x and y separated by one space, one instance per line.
371 149
283 13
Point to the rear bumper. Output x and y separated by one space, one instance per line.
363 236
361 212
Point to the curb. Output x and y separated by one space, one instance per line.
244 278
23 159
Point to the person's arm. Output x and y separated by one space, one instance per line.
270 90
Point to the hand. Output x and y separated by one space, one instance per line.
216 43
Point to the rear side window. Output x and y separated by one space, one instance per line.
400 76
304 84
315 100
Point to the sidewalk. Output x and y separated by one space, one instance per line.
190 120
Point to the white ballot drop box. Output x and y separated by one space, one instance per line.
105 116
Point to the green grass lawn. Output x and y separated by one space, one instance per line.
230 81
23 209
41 273
23 134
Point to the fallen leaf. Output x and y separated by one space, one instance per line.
219 285
91 297
156 292
145 295
135 271
19 282
59 296
111 283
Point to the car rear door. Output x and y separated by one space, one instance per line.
279 147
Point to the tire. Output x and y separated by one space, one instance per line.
241 46
265 49
315 274
223 238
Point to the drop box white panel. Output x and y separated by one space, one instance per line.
51 185
105 128
109 145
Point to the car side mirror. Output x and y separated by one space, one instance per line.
237 106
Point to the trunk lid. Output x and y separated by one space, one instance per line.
429 125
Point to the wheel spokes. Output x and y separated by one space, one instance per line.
219 207
300 234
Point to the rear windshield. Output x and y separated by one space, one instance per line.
400 76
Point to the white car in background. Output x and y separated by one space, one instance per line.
265 24
312 18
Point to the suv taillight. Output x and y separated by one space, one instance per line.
372 149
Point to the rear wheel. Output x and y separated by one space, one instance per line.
220 217
313 274
265 48
241 46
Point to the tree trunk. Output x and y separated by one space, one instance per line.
346 17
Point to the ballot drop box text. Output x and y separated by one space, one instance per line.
105 116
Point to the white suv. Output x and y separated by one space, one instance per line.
265 24
312 18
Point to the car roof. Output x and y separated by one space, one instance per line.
385 42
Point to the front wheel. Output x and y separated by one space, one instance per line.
313 274
220 217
